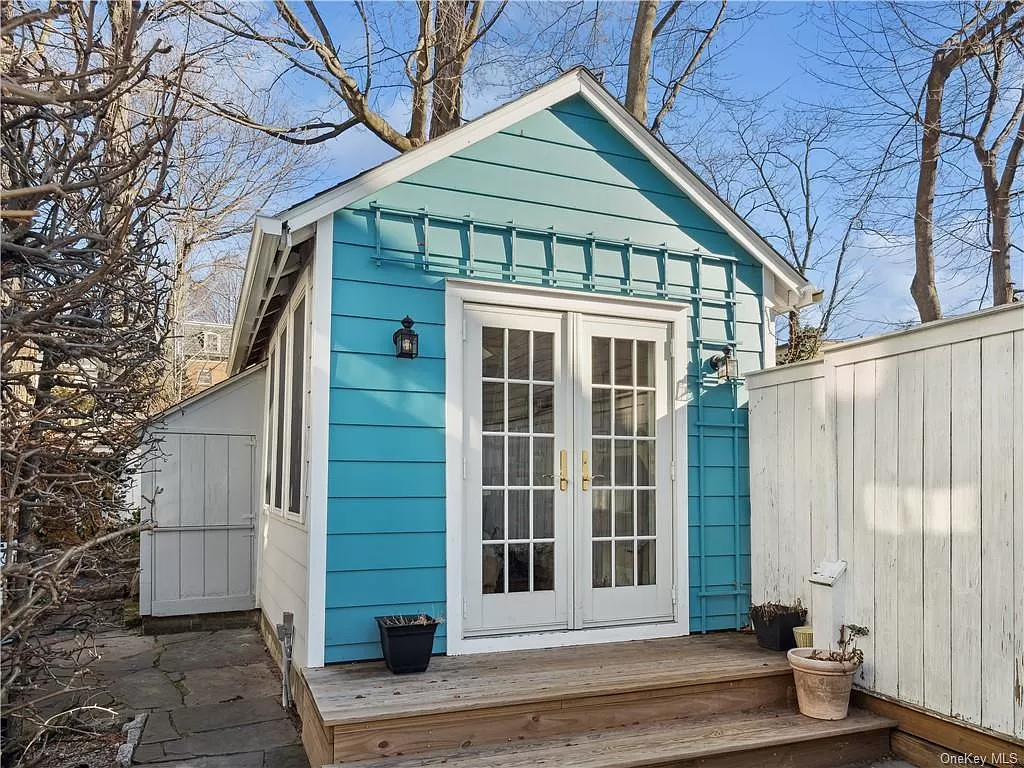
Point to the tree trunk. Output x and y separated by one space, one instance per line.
639 73
449 61
922 287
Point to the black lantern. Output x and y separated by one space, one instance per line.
725 364
407 341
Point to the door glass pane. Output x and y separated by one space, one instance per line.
624 462
494 353
645 363
623 363
601 411
518 354
493 569
624 412
645 414
602 564
543 514
543 408
493 419
518 567
519 514
493 514
543 567
623 513
624 563
601 513
645 563
543 461
519 461
518 407
645 462
493 460
543 356
645 513
600 360
602 462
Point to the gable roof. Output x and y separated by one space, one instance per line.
296 224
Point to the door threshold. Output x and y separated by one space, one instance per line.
565 638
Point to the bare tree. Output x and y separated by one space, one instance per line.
646 30
222 175
87 132
430 67
793 181
930 83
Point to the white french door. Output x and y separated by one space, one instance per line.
567 444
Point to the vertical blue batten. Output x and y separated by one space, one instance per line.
564 170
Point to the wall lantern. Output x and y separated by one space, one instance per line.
725 364
407 341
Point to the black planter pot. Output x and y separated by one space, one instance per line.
777 633
407 645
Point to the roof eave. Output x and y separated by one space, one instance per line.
266 237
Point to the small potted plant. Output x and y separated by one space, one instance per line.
774 622
824 677
407 641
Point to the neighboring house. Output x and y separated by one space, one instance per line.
205 349
560 463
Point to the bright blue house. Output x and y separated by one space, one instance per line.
562 462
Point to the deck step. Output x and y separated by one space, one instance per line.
766 738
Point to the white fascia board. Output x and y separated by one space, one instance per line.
409 163
691 186
266 235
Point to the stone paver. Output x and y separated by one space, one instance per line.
213 699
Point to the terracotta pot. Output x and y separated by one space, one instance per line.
822 687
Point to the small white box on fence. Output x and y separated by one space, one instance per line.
827 572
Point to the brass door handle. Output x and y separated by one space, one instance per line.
563 473
586 470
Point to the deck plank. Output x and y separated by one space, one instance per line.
354 694
652 745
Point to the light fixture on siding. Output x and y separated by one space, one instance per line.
725 364
407 341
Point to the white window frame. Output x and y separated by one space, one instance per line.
211 342
285 330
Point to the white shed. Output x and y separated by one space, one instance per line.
201 490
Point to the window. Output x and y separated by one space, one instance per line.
282 348
211 342
287 385
298 402
206 376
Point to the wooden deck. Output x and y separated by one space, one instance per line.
468 706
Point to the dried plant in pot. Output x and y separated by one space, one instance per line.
774 623
824 677
407 641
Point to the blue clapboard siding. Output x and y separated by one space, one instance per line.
567 169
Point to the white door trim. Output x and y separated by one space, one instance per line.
461 292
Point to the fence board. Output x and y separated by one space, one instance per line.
885 526
965 525
937 586
997 662
1018 531
910 529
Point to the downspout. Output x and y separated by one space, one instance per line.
285 633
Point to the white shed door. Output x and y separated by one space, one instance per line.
199 558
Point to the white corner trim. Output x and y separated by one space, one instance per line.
454 353
458 293
319 402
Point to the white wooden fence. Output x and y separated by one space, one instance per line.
904 455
